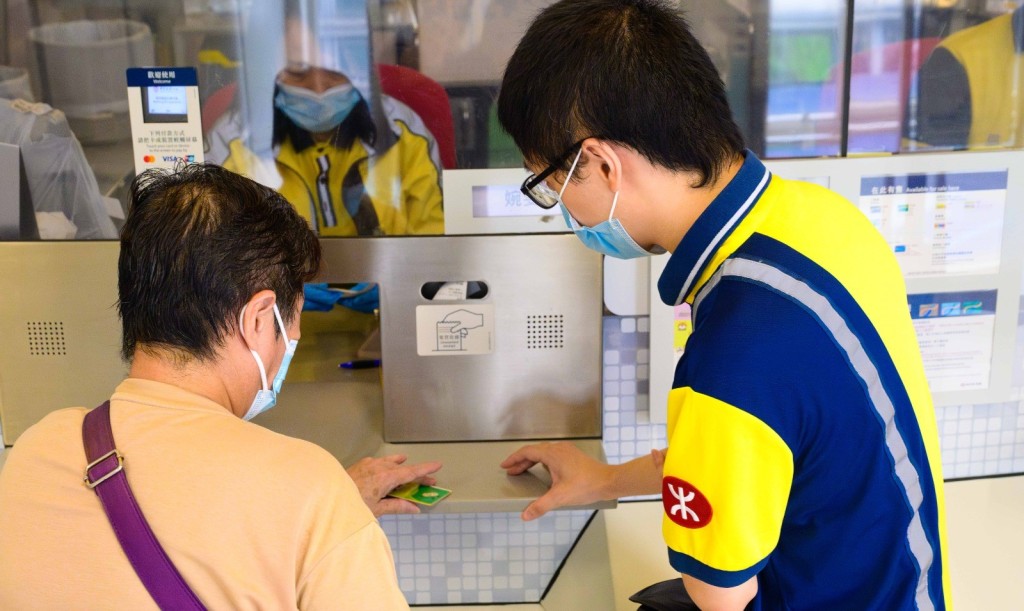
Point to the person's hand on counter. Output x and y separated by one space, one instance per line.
376 477
578 479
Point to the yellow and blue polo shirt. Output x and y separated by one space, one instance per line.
802 440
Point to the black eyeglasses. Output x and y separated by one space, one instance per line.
537 190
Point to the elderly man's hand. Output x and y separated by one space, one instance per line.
376 477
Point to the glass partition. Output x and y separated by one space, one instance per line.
353 108
935 75
805 84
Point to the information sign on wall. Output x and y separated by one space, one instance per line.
955 331
939 224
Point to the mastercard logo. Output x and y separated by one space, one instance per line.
149 158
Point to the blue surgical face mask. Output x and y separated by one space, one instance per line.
316 112
266 398
608 238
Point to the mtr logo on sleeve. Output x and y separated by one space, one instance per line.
684 504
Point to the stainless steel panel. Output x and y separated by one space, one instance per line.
531 386
59 329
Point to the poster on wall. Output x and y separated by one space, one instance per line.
955 333
939 224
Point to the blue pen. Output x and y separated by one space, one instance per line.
361 364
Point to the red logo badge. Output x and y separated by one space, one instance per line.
684 504
148 158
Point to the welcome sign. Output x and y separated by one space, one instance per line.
163 104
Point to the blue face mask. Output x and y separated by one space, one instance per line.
316 112
608 238
266 398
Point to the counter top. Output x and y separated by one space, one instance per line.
477 483
342 411
345 418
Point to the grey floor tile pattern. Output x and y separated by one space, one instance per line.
480 558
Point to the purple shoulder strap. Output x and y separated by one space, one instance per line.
105 475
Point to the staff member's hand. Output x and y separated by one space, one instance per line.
576 479
376 477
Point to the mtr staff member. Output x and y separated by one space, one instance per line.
803 468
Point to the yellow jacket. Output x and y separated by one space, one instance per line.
994 71
360 191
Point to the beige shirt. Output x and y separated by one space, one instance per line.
252 519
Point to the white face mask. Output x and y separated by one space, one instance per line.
266 397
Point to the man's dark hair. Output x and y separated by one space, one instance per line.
197 244
629 71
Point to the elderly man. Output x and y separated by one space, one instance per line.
210 292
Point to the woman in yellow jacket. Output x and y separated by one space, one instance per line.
344 173
969 92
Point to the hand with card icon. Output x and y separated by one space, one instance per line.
377 477
463 320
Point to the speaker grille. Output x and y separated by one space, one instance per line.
545 331
46 338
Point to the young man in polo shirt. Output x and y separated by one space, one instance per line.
803 468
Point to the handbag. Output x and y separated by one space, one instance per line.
106 477
669 595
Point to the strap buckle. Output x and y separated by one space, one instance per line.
120 467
